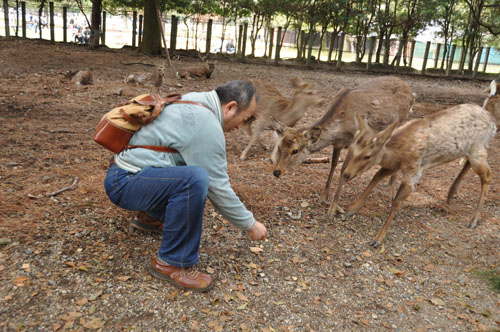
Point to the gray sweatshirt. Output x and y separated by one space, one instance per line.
197 134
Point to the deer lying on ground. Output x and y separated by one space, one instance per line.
462 131
273 106
146 78
203 71
492 103
382 101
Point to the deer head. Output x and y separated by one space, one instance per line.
293 146
365 150
492 103
305 94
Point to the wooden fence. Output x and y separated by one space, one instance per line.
274 38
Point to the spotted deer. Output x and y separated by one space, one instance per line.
203 71
381 101
146 78
492 103
273 106
462 131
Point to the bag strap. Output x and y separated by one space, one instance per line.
173 98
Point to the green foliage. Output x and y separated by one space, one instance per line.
492 276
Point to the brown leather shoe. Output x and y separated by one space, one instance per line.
145 222
188 278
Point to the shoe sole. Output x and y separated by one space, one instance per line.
143 227
164 277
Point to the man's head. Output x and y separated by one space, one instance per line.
238 100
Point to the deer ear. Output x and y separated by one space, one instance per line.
493 88
313 134
359 122
385 134
278 126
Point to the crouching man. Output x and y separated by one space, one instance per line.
170 189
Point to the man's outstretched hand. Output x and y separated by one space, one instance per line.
258 232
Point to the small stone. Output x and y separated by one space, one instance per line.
52 282
347 264
28 251
5 241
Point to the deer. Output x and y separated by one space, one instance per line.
462 131
273 106
492 103
204 71
382 101
146 78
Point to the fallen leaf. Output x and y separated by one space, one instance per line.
241 297
56 327
94 296
256 250
242 307
124 278
94 324
71 316
195 326
8 297
82 301
437 301
210 270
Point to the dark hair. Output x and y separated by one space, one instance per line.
240 91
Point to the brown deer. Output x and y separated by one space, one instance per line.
492 103
462 131
381 100
273 106
204 71
146 78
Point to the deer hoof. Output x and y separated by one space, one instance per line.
473 224
375 243
349 214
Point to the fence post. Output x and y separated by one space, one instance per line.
173 33
51 14
412 52
209 36
23 19
240 38
278 46
244 40
271 37
140 31
487 55
436 56
373 40
426 55
478 61
450 61
6 18
134 28
103 34
341 49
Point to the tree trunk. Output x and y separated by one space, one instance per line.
95 20
151 42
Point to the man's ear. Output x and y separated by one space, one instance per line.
229 109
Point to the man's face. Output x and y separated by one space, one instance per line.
232 121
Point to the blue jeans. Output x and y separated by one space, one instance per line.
174 195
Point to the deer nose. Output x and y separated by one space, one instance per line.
347 176
277 173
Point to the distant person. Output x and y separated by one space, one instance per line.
86 35
230 46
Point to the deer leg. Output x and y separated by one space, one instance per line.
404 191
457 181
356 205
334 207
483 170
253 139
392 186
335 158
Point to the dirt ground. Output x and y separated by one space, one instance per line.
68 261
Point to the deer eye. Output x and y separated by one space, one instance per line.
295 151
367 157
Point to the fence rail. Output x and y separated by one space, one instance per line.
274 43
